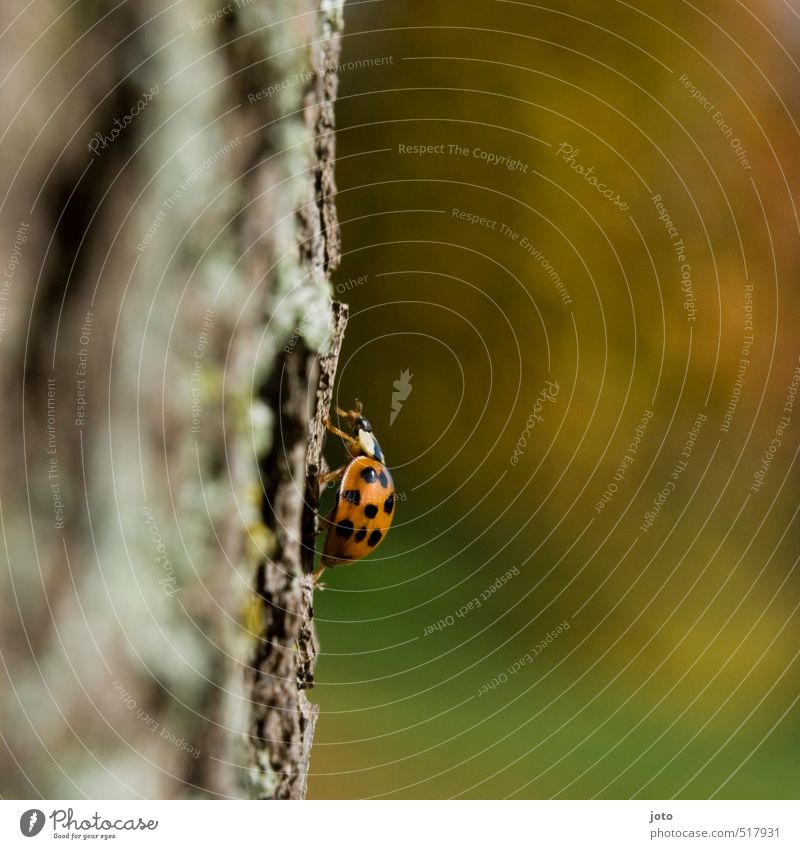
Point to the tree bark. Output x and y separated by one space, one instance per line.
281 660
165 323
282 664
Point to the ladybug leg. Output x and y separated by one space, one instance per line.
349 415
323 523
315 579
328 477
351 440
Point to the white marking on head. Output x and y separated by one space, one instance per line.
367 442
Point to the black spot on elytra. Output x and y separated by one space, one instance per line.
384 480
361 535
369 474
371 511
353 496
374 538
388 505
344 529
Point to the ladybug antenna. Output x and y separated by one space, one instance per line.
348 415
352 417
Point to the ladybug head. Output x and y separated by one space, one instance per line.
362 430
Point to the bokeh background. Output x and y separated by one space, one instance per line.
678 674
570 249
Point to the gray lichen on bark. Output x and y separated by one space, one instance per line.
117 682
305 329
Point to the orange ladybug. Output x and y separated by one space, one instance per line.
365 498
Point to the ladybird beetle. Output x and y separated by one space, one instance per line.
365 497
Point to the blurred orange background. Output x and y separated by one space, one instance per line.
569 224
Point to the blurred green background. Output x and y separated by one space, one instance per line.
677 674
570 236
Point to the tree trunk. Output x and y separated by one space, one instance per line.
281 657
166 235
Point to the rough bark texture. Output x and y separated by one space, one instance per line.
282 663
150 648
282 667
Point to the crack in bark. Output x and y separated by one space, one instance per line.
282 719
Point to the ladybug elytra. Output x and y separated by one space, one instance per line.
365 497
